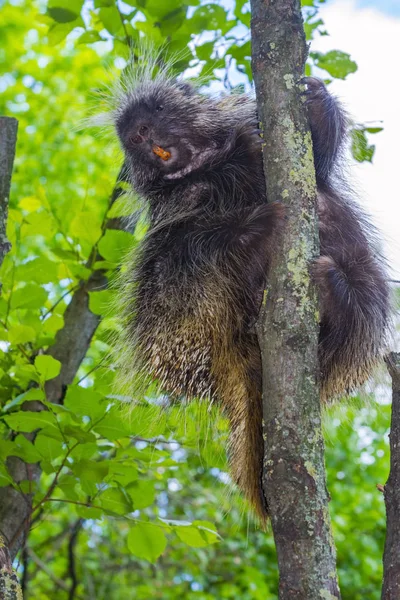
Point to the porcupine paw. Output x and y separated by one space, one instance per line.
332 285
316 90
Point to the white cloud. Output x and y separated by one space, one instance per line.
372 94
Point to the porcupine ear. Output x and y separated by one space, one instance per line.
185 87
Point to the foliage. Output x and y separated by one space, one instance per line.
120 490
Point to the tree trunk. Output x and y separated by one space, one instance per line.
294 477
391 557
9 585
8 139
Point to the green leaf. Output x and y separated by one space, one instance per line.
89 37
205 51
115 244
21 334
61 15
39 270
85 402
48 447
208 530
141 229
100 302
90 470
68 484
32 394
52 324
30 203
373 129
336 63
113 426
64 11
122 207
29 421
115 501
78 228
100 3
47 367
142 493
361 150
208 17
78 433
146 541
24 449
111 19
125 474
29 296
5 478
192 536
25 374
89 512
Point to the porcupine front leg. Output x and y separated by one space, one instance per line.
328 123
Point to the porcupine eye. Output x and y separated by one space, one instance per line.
159 108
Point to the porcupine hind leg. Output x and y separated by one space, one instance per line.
354 300
239 390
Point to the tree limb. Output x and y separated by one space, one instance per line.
391 556
294 478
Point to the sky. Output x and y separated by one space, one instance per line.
369 30
390 7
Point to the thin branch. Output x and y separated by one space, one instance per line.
60 299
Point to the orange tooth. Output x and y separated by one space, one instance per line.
163 154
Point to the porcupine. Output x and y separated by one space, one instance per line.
193 291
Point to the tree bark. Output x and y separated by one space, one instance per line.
294 477
391 556
8 140
9 585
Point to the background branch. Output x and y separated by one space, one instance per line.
75 529
294 478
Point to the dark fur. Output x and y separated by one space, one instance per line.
194 292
